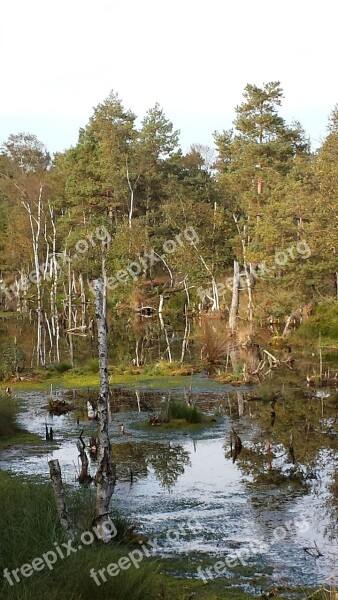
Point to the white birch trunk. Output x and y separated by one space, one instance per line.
35 224
105 475
235 299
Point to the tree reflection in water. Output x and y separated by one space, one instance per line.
167 460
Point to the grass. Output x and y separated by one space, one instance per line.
324 322
87 377
62 367
178 415
181 410
10 432
33 531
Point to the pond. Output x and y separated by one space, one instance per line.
183 488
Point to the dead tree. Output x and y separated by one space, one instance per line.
35 224
235 445
106 473
84 476
59 493
235 299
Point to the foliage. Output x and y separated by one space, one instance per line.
62 367
131 178
324 323
12 358
181 410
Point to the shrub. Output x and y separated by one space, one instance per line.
62 367
92 365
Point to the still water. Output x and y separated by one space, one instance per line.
188 493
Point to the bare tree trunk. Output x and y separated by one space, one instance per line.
84 476
248 278
105 476
104 275
164 329
24 287
35 231
132 189
70 319
160 305
167 267
53 290
137 360
60 500
235 299
185 338
215 298
83 301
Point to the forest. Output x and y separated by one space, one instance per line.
169 359
261 206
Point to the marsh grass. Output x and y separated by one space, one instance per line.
181 410
29 528
8 425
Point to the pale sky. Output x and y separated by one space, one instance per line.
60 59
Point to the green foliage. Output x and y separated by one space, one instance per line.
324 323
181 410
30 536
92 365
135 181
12 358
62 367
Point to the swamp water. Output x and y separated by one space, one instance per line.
188 493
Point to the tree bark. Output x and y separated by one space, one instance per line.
35 231
235 299
106 475
60 499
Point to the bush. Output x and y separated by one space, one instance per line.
324 321
92 365
12 358
62 367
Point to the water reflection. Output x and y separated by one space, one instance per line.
168 477
168 461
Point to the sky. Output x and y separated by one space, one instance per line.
60 59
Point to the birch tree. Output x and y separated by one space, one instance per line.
105 475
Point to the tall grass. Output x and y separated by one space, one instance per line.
29 528
181 410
